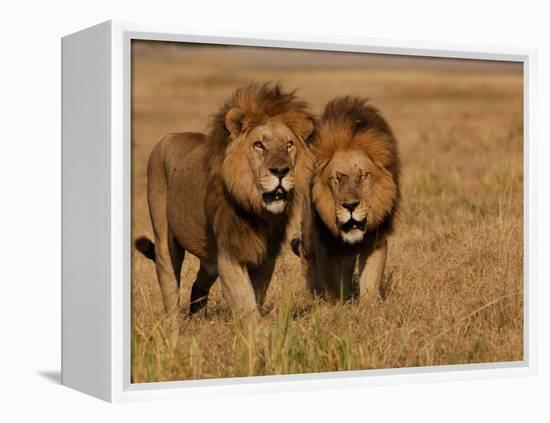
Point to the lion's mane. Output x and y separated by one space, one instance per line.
242 228
350 123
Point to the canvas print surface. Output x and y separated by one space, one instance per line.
300 211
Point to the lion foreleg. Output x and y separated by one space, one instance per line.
237 288
371 270
336 277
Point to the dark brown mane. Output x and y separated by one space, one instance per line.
354 112
350 122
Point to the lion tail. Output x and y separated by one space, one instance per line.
146 247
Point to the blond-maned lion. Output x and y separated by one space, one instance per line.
354 195
227 197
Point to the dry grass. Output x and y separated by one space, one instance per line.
455 269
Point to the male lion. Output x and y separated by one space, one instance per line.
352 201
226 197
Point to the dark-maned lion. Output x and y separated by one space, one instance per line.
354 195
226 197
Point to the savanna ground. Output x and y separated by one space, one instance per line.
454 277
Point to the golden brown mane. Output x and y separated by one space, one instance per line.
241 227
260 102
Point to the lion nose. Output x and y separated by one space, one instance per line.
350 205
279 172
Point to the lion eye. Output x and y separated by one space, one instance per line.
289 145
259 145
336 180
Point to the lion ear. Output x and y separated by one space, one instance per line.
234 121
305 129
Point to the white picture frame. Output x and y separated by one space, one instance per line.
96 240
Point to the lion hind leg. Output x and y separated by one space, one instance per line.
310 272
168 253
261 279
177 254
166 262
206 276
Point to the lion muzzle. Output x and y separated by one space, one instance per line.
277 190
352 224
278 194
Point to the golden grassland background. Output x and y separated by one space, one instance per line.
454 277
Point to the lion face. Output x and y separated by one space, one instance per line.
271 154
353 195
260 162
